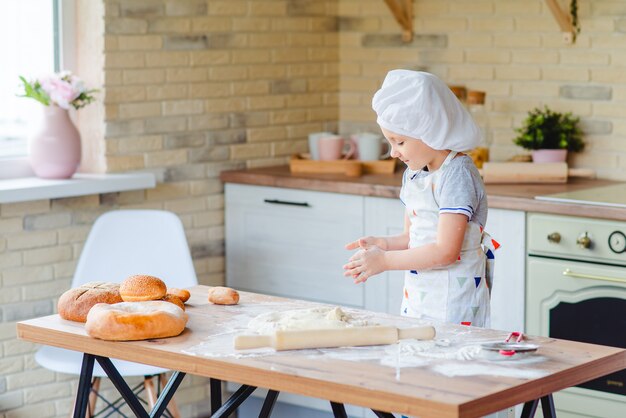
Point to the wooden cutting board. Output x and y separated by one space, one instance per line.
514 172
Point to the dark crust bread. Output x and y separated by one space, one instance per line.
141 288
74 305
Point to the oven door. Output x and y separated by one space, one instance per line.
581 302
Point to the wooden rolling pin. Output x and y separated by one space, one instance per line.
514 172
335 337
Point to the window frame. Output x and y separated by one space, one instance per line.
64 12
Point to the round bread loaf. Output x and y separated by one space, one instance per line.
220 295
75 303
175 300
183 294
130 321
141 288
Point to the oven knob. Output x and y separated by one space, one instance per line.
617 242
554 237
584 241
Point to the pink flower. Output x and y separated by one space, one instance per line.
60 91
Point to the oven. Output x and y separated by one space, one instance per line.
576 290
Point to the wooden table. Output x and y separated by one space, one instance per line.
421 391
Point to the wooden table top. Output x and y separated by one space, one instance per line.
501 196
348 375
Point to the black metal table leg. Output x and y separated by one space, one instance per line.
122 387
547 407
380 414
268 405
530 408
339 411
234 401
84 386
216 394
167 394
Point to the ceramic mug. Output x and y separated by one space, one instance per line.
313 147
332 147
370 146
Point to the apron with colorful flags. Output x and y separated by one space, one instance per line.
458 293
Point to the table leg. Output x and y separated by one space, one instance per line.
268 405
547 407
168 392
84 386
216 394
339 411
380 414
530 408
234 401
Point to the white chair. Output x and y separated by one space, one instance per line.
122 243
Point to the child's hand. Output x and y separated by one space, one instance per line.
366 242
365 264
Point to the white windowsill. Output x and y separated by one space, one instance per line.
34 188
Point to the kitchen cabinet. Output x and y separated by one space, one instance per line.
290 243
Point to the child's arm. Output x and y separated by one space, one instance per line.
389 243
374 260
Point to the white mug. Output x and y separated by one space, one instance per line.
370 146
313 147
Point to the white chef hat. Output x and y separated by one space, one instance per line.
419 105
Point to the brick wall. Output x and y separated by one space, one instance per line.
511 49
190 88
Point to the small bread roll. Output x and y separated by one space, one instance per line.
175 300
131 321
183 294
75 303
223 296
141 288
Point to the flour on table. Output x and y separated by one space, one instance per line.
301 319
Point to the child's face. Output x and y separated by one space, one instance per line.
411 151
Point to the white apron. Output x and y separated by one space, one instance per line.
458 293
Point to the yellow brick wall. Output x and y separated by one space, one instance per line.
511 49
191 88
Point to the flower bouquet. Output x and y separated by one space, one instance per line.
55 148
63 89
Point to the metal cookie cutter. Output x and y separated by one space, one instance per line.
510 349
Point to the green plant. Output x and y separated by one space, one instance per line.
545 129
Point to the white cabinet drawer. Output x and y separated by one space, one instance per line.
291 243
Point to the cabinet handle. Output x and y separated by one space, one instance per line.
285 202
569 273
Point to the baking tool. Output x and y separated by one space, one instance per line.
513 172
509 349
335 337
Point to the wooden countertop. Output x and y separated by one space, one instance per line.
205 349
501 196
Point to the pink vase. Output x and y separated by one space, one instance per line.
549 155
55 146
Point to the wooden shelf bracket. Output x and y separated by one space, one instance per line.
403 13
564 20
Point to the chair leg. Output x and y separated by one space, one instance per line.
150 392
93 396
172 405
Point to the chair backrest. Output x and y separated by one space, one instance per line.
126 242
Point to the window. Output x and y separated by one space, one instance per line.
29 46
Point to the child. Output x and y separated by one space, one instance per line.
441 248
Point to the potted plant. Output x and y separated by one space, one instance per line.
55 148
549 135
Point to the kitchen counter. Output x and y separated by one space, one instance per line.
502 196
